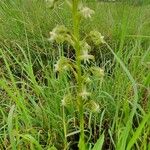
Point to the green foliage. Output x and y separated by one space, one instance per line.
44 60
99 144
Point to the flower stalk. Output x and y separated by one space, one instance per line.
76 33
61 34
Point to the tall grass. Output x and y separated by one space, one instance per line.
31 115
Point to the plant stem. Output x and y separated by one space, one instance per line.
76 32
65 130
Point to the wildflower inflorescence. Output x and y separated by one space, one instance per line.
80 67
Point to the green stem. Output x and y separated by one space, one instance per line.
65 129
76 32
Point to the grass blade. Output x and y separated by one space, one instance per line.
10 128
99 144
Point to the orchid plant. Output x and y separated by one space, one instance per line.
83 58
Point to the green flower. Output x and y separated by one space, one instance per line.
85 56
61 34
86 12
93 106
66 101
51 3
96 37
97 71
63 64
84 94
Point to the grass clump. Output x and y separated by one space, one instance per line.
74 89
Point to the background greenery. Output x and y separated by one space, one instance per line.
31 94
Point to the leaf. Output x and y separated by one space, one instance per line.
73 133
52 148
32 140
10 127
99 144
138 132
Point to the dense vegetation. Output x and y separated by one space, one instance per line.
33 113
